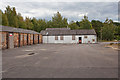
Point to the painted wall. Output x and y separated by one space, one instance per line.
68 39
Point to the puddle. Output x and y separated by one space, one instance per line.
31 53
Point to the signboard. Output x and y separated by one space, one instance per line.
10 34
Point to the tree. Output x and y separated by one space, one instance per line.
49 24
0 17
4 20
15 20
108 30
96 24
85 23
42 25
58 21
78 23
117 32
29 24
73 25
21 22
12 16
35 24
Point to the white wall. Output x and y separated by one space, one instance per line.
68 39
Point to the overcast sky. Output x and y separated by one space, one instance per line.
69 9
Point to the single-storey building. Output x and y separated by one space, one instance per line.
11 37
66 35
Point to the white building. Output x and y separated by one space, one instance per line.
65 35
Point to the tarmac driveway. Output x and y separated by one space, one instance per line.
60 61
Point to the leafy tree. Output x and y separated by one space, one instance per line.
0 17
73 25
4 20
85 23
35 24
96 24
117 33
42 25
108 30
78 23
15 20
12 16
21 22
59 21
29 24
49 24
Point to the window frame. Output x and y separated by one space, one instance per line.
73 37
93 40
61 37
56 37
85 36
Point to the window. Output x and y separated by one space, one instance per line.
61 37
56 37
93 40
73 37
85 36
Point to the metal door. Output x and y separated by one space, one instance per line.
11 40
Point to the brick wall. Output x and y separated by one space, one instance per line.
36 38
25 39
21 39
40 38
16 39
31 39
3 40
29 36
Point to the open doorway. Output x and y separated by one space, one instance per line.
80 40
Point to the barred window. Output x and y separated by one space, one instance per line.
61 37
73 37
56 37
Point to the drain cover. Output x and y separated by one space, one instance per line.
31 53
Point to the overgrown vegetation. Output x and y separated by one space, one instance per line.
108 30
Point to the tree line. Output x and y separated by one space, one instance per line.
107 30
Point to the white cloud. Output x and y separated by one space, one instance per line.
71 10
39 12
81 15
